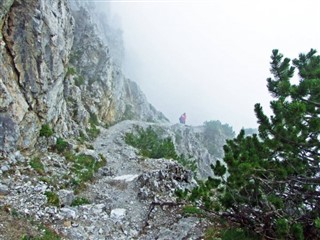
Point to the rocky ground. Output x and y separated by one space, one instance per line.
130 198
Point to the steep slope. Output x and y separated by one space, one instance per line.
57 70
108 93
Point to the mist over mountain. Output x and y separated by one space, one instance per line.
210 59
66 107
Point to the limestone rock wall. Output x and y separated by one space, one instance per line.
36 38
109 94
56 69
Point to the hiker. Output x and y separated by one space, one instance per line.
183 118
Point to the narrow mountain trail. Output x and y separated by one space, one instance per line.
125 189
132 197
121 158
116 187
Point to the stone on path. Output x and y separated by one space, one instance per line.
118 213
127 178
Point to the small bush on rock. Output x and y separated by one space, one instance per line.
37 165
84 167
46 131
52 198
79 201
93 131
61 145
151 145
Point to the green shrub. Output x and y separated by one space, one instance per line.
71 71
82 137
37 165
189 163
317 223
70 156
297 231
52 198
45 179
93 120
239 234
219 169
150 144
282 227
223 231
61 145
274 176
82 170
78 81
46 131
84 167
79 201
93 131
191 210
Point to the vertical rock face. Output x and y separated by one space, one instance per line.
56 69
96 72
36 40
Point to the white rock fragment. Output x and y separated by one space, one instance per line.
118 213
99 208
127 178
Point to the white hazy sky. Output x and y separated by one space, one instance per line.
210 59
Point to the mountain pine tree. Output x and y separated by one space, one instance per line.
274 183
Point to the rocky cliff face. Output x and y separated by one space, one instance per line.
57 70
108 93
36 40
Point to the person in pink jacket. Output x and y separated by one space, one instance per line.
183 118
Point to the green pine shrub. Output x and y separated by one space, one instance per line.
71 71
52 198
46 131
78 81
84 167
150 144
37 165
273 183
93 132
61 145
190 210
79 201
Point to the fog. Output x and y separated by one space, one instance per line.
210 59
